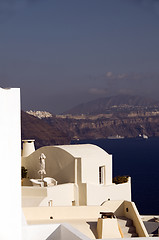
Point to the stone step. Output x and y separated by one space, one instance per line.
134 234
125 221
130 229
130 235
127 227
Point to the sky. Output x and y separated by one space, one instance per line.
61 53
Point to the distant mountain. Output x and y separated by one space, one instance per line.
112 104
117 116
43 133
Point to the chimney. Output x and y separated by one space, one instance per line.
28 147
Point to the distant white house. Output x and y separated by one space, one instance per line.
80 170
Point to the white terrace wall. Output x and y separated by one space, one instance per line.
10 175
111 192
42 214
65 195
60 195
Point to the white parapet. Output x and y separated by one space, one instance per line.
10 174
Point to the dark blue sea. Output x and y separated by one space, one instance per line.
138 158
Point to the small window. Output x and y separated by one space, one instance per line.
101 174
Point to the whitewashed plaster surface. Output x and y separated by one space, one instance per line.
10 162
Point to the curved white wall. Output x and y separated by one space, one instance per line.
60 163
92 157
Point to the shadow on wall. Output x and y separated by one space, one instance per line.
93 227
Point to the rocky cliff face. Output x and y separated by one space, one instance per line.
61 130
43 133
107 127
122 115
118 116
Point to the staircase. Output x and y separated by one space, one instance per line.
127 227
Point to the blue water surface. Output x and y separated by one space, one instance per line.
138 158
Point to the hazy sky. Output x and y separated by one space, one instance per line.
65 52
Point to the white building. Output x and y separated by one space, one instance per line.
84 175
80 170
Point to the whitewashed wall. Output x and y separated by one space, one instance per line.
10 162
92 157
60 195
60 163
111 192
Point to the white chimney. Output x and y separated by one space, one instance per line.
28 147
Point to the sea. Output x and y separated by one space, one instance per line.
139 159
